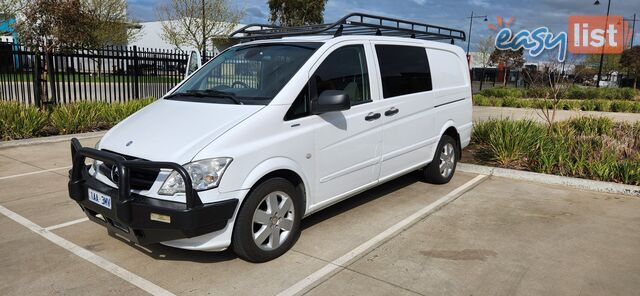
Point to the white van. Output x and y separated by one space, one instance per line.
277 128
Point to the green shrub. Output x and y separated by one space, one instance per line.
495 102
586 147
569 105
510 141
501 92
622 106
602 105
628 172
536 92
76 117
482 130
18 121
509 102
524 103
480 100
590 125
588 105
576 93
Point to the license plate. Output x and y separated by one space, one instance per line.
100 198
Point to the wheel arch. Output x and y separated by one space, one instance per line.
451 130
279 167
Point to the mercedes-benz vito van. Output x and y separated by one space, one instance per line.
280 126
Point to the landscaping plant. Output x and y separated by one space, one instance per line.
586 147
19 121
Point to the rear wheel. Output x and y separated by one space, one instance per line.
268 224
443 165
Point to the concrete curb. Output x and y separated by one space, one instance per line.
52 139
606 187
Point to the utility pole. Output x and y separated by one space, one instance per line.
633 29
469 42
602 54
470 27
204 31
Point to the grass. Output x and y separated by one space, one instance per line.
18 121
574 93
583 147
584 105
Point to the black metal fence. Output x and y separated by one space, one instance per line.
111 74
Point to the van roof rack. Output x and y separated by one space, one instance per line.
352 24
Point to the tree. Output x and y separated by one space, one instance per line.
50 24
197 22
630 60
53 24
610 63
109 24
510 59
485 48
10 8
290 13
556 85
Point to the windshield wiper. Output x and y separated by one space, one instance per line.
206 93
219 93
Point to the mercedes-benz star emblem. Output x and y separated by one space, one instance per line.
115 174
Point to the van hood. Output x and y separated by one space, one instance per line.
173 130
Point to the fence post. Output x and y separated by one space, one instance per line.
37 91
136 87
52 79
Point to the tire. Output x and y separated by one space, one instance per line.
433 173
275 230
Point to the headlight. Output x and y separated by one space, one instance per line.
205 174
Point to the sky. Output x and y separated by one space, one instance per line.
448 13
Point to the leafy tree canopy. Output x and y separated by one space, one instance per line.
290 13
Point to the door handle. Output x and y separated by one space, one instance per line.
391 112
372 116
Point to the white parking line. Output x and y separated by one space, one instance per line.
33 173
65 224
116 270
341 263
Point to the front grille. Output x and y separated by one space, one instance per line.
139 179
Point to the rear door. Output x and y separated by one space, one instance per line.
409 134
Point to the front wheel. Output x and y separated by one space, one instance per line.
443 165
268 224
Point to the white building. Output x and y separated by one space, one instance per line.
150 36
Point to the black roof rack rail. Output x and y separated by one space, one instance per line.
352 24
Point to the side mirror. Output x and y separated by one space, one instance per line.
329 101
193 63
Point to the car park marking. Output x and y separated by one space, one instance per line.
65 224
114 269
33 173
341 263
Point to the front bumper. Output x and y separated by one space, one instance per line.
138 218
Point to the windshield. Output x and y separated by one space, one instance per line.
251 74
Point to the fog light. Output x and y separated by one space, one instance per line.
160 218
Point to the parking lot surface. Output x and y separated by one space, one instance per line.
495 237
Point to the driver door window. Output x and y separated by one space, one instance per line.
344 69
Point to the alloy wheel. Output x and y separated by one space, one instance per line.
273 220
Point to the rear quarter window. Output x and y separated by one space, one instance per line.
403 69
447 69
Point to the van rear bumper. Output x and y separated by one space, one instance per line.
139 218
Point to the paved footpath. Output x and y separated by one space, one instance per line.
484 113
